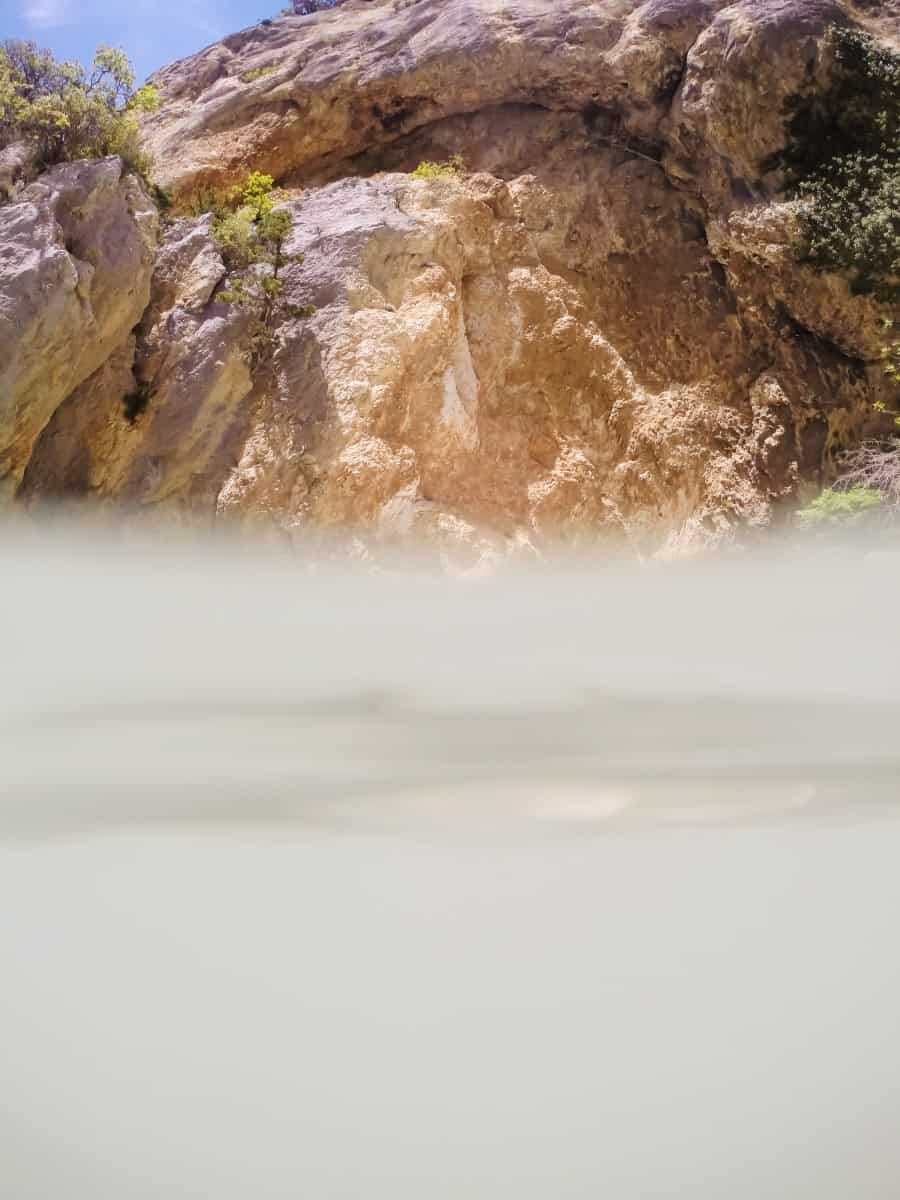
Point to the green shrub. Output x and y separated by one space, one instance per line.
67 112
202 201
854 222
833 507
844 159
875 465
439 170
252 240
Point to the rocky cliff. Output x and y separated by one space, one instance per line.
602 326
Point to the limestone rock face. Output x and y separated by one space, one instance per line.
185 377
601 327
491 366
192 366
702 81
81 449
494 365
296 95
76 256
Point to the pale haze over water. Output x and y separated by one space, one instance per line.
326 881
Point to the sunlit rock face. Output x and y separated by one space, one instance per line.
497 364
600 328
76 256
108 440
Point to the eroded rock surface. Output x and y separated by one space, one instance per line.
702 80
297 95
500 364
76 256
183 383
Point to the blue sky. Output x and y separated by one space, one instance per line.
153 32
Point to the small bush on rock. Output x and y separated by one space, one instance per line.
256 73
439 170
840 507
252 239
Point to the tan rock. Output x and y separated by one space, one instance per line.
76 253
758 246
294 95
189 380
81 450
498 366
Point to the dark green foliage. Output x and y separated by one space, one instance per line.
855 223
160 198
136 402
860 111
844 158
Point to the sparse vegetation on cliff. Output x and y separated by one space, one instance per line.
842 507
440 170
870 475
65 112
252 238
844 159
877 465
256 73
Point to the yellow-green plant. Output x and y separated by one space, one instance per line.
840 507
891 357
256 73
440 170
252 239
